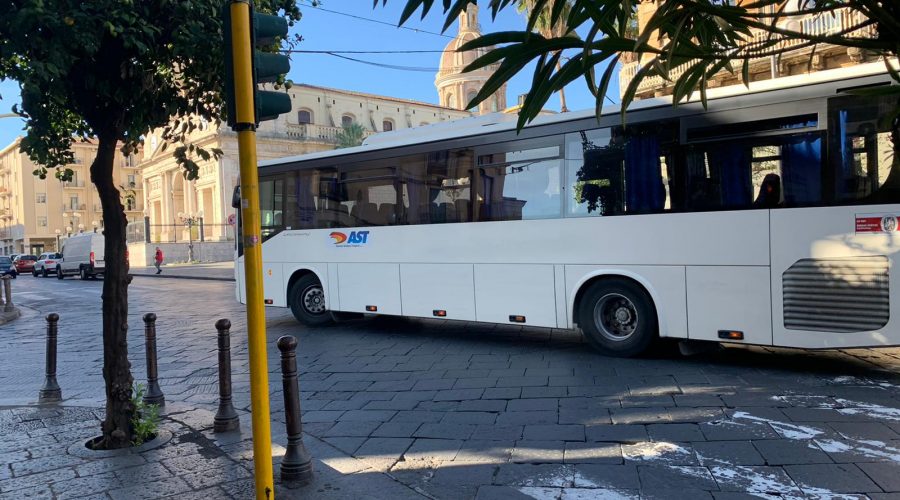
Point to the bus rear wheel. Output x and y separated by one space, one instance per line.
307 301
618 318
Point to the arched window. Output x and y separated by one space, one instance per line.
471 95
451 100
347 120
304 116
387 125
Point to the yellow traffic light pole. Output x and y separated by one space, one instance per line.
242 54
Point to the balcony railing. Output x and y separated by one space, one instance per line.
820 25
318 133
73 184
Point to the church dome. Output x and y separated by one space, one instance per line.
456 88
453 61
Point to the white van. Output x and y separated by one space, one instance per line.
82 255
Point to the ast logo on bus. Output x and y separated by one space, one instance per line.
355 238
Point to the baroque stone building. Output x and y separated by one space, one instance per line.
794 61
312 125
455 88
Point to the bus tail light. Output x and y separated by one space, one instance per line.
517 319
440 313
731 335
92 258
269 301
371 308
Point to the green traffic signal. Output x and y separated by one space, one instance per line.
267 67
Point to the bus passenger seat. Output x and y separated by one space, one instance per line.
344 216
462 211
368 214
387 214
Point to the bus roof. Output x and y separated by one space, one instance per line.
500 122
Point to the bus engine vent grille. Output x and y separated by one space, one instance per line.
837 295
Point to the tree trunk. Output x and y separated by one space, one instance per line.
117 427
562 93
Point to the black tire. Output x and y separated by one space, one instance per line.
618 318
82 274
34 273
307 302
59 273
44 272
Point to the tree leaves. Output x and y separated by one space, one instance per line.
690 39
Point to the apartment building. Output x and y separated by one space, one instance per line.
37 214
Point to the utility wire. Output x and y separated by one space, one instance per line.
363 51
361 18
387 66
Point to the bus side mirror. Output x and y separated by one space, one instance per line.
236 198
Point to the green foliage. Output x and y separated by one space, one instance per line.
351 135
698 37
116 70
145 420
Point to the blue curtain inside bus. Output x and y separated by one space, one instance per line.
644 190
732 162
801 170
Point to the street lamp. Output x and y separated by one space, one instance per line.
58 232
190 220
95 224
80 228
71 216
68 230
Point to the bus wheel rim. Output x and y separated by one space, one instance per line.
616 317
313 299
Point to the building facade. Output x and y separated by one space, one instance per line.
313 124
791 62
455 88
36 214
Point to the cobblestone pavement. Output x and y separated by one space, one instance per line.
454 410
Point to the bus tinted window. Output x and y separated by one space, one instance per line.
771 172
862 158
271 194
622 170
520 185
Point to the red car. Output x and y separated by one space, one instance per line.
25 263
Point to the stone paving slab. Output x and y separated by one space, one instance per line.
426 409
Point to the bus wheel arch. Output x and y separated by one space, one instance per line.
617 314
306 298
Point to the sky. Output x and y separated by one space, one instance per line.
370 30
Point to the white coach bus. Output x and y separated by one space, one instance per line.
769 219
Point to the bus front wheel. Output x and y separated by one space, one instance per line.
307 301
618 318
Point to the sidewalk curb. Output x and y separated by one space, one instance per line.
171 276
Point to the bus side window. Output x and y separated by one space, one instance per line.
863 162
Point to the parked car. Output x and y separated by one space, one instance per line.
25 263
82 256
6 266
46 264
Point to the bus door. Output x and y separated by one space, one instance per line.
835 256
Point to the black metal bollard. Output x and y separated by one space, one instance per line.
296 466
51 392
154 394
7 289
226 418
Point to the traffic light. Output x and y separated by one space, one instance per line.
266 67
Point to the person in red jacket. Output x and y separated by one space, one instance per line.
157 260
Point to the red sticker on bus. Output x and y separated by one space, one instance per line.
877 223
